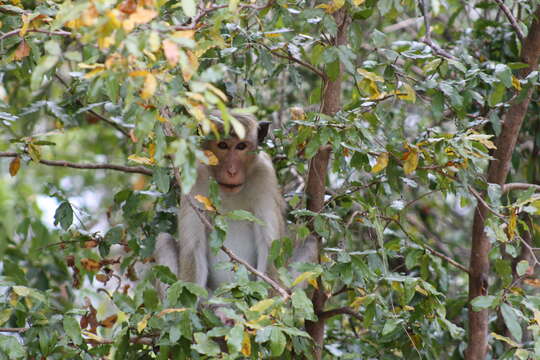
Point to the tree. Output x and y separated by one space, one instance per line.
386 115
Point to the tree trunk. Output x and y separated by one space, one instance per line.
318 168
497 173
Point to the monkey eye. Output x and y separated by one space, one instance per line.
241 146
222 145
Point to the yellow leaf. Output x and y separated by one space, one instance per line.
14 166
334 6
152 150
370 75
205 201
113 18
33 151
358 301
410 161
171 51
382 163
304 276
141 325
246 344
153 41
218 92
212 158
186 34
537 316
505 339
313 282
262 305
93 73
169 311
325 259
483 139
26 24
149 88
141 160
410 94
516 83
142 15
189 69
419 289
138 73
512 224
408 308
358 2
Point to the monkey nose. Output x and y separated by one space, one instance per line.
231 172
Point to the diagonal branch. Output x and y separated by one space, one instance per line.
512 19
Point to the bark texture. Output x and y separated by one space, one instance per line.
318 168
497 173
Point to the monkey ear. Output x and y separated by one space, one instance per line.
262 130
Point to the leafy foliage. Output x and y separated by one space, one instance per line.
129 83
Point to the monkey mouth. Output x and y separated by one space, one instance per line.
231 187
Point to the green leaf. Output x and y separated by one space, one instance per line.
10 346
277 341
497 94
64 215
73 330
503 73
302 305
511 321
205 345
189 7
390 325
45 64
161 179
235 337
483 302
522 267
243 215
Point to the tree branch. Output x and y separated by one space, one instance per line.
519 186
14 330
104 166
424 9
512 19
496 174
340 311
17 31
289 57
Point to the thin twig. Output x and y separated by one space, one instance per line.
484 203
194 23
99 116
17 31
104 166
14 330
427 38
430 249
340 311
512 19
519 186
289 57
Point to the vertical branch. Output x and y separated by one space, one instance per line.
497 173
318 168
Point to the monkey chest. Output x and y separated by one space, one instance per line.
241 240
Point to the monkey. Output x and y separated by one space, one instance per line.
247 181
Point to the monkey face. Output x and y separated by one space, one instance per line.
235 157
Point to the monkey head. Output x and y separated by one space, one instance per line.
236 156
